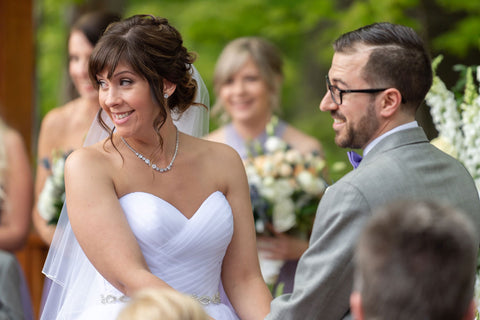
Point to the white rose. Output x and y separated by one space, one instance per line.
310 183
274 144
58 171
252 175
275 190
267 188
283 216
46 200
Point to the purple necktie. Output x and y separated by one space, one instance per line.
354 158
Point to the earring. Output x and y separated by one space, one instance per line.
165 96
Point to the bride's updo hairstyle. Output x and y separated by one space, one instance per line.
154 49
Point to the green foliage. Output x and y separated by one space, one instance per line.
462 36
302 29
51 35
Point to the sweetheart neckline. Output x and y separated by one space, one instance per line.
174 207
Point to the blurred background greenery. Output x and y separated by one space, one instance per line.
302 29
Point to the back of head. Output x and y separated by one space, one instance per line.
263 53
165 304
398 59
152 48
94 24
416 260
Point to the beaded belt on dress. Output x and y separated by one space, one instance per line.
204 300
110 298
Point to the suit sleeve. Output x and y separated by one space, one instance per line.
324 276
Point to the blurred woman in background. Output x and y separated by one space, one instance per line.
16 186
247 82
63 129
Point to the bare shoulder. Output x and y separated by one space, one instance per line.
214 155
217 135
301 141
59 116
88 160
216 149
13 139
15 146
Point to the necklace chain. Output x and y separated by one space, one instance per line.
148 162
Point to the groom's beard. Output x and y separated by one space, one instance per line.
357 135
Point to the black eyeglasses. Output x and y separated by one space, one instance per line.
337 93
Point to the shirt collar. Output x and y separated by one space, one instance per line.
405 126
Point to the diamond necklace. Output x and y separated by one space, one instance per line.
148 162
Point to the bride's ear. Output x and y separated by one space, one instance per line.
168 87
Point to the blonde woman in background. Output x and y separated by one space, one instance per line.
63 129
247 82
165 304
16 203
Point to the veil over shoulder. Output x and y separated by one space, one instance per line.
67 266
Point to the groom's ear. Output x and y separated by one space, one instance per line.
356 305
168 87
391 101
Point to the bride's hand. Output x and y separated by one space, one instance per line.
282 246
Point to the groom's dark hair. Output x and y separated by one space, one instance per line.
398 59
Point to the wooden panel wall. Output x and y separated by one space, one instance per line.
17 107
17 57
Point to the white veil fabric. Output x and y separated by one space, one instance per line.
67 268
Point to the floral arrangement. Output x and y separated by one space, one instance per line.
458 120
52 197
285 188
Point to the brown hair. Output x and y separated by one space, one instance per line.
416 260
154 49
399 59
94 24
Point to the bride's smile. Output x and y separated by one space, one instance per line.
126 98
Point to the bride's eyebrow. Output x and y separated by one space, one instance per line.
121 73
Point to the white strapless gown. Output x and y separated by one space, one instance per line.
185 253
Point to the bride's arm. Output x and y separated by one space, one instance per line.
100 225
241 274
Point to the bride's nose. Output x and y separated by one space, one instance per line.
110 97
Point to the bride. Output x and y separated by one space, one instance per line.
151 206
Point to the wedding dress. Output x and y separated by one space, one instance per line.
185 253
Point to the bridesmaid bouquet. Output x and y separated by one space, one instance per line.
52 197
285 188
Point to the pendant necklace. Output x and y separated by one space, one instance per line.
148 162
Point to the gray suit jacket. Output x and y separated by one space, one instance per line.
402 165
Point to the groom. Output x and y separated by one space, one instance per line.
379 77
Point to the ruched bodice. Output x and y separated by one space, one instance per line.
185 253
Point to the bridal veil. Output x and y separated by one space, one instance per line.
67 268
